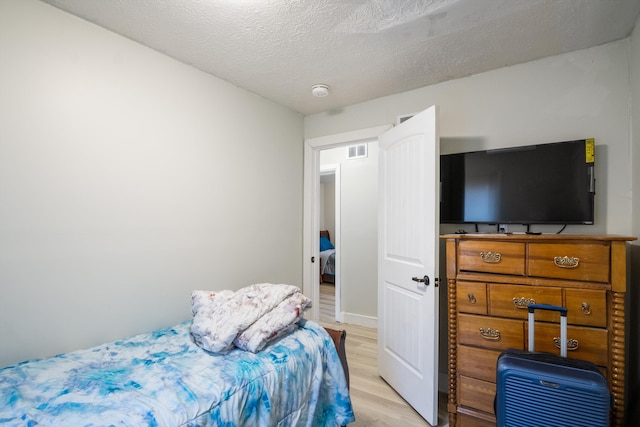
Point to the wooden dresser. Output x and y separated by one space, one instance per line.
492 279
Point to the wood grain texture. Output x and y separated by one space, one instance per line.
507 257
453 336
617 361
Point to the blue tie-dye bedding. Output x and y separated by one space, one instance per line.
163 379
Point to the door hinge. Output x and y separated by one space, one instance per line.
313 259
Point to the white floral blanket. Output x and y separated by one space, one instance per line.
248 318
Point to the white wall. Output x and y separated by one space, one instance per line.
128 179
328 206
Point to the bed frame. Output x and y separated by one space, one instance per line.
326 278
339 337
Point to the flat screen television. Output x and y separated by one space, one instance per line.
550 183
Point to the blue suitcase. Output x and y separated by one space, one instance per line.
544 389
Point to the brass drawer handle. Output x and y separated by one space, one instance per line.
490 334
490 257
586 308
566 261
472 298
572 343
523 302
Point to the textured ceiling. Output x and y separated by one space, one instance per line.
362 49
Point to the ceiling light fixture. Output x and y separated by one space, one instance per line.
320 91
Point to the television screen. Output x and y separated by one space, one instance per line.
538 184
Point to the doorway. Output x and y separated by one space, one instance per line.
311 224
329 221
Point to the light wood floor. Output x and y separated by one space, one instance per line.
375 403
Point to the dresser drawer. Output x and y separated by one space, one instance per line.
478 363
586 307
476 394
582 343
491 257
490 332
513 300
467 421
471 297
583 262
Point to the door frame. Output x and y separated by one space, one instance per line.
311 208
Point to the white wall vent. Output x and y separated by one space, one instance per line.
357 151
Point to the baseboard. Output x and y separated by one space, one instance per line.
360 320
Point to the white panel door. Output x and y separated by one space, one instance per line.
408 222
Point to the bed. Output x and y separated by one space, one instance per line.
327 258
163 378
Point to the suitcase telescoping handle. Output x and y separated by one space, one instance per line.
563 325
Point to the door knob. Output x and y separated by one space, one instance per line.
424 280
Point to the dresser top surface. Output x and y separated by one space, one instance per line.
537 237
